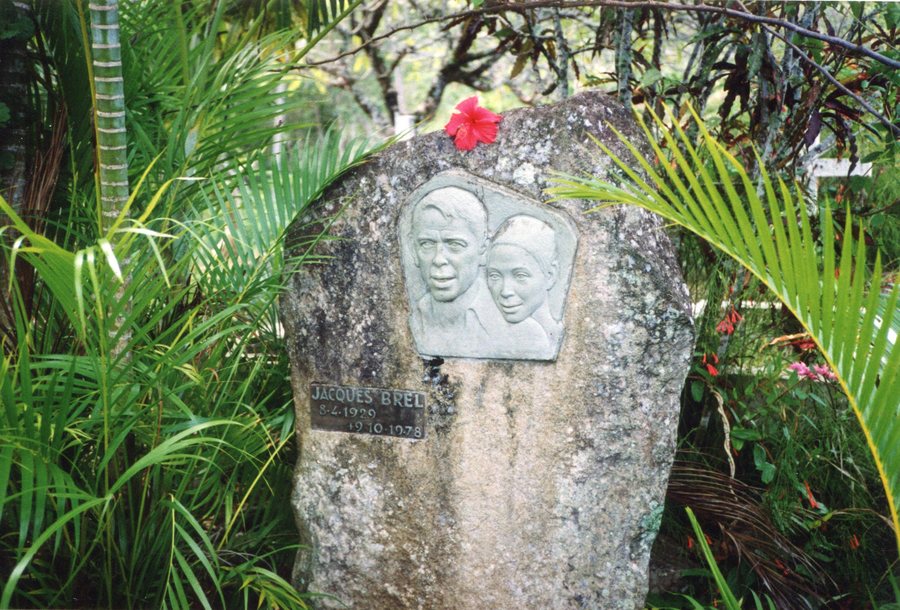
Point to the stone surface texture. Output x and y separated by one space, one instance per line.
539 484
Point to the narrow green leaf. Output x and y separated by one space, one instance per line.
206 556
737 203
722 210
123 213
844 333
829 283
179 599
26 499
794 252
880 350
764 229
788 278
855 305
730 601
705 211
16 574
865 335
680 205
6 463
78 269
41 492
111 259
195 585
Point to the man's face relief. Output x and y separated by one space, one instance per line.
448 254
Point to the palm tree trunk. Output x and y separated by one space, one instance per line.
109 110
13 131
109 124
14 96
108 92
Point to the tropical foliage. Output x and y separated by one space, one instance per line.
145 417
827 280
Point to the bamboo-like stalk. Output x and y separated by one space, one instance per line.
109 111
108 92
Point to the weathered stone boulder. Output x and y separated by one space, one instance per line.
525 466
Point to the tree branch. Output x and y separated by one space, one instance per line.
824 72
383 73
625 4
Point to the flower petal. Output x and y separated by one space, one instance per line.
485 131
483 114
466 138
456 121
468 106
472 124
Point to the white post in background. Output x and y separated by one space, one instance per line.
278 138
280 118
404 123
820 167
834 168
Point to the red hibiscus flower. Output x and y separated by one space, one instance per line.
472 124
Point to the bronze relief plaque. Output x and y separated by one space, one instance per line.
487 270
363 410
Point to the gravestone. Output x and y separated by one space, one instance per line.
486 383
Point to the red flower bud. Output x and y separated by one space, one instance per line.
809 496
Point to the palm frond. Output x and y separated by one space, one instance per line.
319 13
848 310
240 231
745 526
730 601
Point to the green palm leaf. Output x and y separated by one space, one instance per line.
238 232
53 263
849 311
319 13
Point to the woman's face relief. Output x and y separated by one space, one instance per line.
517 283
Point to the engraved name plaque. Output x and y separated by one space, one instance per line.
377 411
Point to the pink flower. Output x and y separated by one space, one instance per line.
472 124
816 373
802 370
824 373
